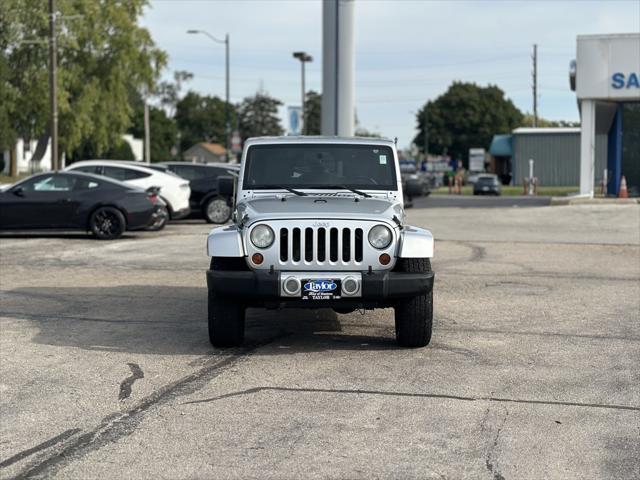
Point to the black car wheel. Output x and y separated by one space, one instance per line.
414 316
160 219
216 210
107 223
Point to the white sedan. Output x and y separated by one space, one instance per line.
173 190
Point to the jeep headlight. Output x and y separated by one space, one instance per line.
380 236
262 236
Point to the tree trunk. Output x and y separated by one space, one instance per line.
13 161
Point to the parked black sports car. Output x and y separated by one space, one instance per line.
74 200
203 180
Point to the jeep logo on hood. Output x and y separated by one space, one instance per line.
320 286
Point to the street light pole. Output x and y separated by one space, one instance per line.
227 120
53 90
226 104
303 57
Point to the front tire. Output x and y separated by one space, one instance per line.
414 316
107 223
226 316
226 321
216 210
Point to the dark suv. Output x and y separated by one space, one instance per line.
203 180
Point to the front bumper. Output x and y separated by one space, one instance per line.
263 287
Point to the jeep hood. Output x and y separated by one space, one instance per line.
292 207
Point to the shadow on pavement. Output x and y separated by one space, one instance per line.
172 320
79 235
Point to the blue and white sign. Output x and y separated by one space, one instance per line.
295 120
621 80
608 67
320 286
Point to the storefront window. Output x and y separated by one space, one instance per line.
631 146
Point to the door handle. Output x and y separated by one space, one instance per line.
64 200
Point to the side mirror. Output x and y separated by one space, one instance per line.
19 191
226 186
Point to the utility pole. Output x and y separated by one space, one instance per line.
426 131
53 89
147 132
535 85
227 120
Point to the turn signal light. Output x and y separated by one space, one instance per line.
384 259
257 258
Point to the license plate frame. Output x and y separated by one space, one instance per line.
311 292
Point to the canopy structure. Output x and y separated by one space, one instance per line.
501 146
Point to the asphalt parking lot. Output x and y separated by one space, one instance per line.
533 371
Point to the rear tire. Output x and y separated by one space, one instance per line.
216 210
414 316
161 217
107 223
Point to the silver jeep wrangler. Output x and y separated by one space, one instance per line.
319 223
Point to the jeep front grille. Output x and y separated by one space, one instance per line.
321 245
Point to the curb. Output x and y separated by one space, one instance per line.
556 201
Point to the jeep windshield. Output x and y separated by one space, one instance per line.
319 166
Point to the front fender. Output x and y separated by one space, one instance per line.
225 242
415 242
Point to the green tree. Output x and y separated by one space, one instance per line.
465 116
313 113
201 118
163 132
258 116
102 54
527 121
169 92
87 151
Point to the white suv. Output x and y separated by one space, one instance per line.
175 191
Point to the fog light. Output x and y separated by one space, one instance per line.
257 258
291 286
384 259
350 286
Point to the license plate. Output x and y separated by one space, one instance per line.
485 189
321 289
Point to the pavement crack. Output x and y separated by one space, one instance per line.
253 390
491 460
125 386
41 446
120 424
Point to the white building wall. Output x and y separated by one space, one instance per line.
137 146
24 153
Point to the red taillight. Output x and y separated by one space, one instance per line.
153 198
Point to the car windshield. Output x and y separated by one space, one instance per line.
488 180
364 167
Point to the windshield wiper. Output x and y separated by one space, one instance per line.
281 187
345 187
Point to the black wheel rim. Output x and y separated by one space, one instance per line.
107 223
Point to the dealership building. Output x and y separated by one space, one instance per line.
606 79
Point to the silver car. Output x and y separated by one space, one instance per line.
319 222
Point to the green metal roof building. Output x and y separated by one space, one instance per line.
555 152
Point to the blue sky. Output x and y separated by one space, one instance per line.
407 51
